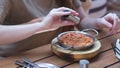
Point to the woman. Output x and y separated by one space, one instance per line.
16 14
17 37
12 33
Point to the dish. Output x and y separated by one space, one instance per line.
75 55
76 40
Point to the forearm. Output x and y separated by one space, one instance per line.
85 20
82 13
40 19
79 9
88 22
11 34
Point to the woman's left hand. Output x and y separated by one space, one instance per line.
113 20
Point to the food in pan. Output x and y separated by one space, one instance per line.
76 39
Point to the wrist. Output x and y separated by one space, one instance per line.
40 26
98 23
87 23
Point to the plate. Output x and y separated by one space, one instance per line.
73 55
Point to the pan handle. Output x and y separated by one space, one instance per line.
62 47
93 30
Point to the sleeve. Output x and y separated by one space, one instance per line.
4 9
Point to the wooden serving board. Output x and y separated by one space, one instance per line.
75 55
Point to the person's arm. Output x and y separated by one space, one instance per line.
13 33
35 20
86 21
110 21
78 7
82 13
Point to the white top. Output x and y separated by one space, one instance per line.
21 11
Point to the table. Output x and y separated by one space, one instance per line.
105 59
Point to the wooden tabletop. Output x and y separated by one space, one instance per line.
105 58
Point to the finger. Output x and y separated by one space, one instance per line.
113 29
109 17
62 13
68 9
65 8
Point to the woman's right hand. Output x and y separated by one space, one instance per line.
53 19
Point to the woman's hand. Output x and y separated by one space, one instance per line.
110 21
53 19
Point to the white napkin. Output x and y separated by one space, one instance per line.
46 65
117 46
